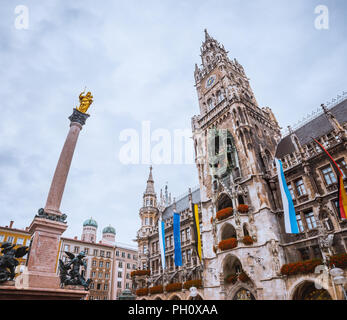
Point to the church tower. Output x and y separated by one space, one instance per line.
90 227
149 216
235 142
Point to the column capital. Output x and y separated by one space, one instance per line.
79 117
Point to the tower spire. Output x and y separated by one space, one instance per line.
207 36
150 183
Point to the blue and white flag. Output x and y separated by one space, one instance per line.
177 239
161 232
290 223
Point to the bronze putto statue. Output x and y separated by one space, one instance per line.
8 261
70 271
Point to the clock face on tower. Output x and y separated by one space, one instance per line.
210 81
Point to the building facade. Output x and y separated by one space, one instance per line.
109 264
236 141
151 281
246 252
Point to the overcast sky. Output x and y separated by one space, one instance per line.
137 58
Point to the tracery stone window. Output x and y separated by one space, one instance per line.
221 152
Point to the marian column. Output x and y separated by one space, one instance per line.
49 224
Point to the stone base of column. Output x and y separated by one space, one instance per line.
37 280
10 292
44 253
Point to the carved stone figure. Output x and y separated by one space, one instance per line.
8 261
274 250
85 102
239 232
253 231
250 217
70 272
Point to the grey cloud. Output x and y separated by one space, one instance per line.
138 60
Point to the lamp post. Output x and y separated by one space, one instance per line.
338 278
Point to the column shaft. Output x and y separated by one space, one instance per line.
61 172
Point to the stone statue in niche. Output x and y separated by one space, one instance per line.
239 232
274 250
253 231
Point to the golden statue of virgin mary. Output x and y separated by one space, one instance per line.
85 101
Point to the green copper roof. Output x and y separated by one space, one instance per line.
109 229
90 222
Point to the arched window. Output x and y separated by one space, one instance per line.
216 144
224 202
232 266
228 232
240 199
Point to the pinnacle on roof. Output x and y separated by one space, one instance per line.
150 183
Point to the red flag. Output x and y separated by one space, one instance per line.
342 200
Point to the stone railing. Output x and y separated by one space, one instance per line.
311 150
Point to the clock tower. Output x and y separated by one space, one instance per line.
235 141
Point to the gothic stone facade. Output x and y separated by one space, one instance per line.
236 142
148 243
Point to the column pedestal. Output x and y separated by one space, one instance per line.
43 256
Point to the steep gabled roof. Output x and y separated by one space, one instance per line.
181 204
315 128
